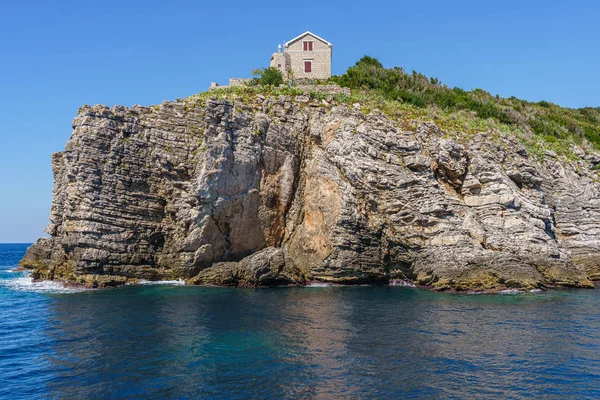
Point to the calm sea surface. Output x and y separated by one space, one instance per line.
170 341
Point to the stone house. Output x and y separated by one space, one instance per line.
305 57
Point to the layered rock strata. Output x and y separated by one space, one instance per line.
285 190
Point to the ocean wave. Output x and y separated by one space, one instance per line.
511 291
318 284
26 284
400 282
178 282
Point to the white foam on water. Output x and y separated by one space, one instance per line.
318 284
402 283
511 291
26 284
535 291
178 282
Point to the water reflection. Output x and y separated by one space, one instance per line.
316 322
123 342
169 342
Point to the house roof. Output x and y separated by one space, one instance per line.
304 34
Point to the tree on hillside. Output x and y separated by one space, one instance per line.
268 76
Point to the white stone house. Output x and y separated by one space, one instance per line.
305 57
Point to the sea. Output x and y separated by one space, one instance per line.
169 341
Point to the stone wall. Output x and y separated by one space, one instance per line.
329 89
239 81
233 82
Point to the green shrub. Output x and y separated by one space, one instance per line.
550 138
544 119
268 76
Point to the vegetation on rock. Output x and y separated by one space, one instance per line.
554 127
411 99
268 76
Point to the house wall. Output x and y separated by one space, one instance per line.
320 57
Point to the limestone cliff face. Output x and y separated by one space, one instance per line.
266 191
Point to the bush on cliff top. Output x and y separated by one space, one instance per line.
547 121
268 76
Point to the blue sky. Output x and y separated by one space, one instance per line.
57 55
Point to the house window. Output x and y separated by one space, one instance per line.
307 66
278 65
308 46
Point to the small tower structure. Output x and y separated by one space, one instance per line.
282 62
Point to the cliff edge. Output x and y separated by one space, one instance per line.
252 189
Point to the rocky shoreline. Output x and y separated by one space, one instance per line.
280 190
316 284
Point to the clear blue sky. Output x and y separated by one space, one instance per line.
57 55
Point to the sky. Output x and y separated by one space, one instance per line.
57 55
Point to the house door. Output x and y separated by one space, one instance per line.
308 66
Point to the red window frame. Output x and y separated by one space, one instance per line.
307 45
307 66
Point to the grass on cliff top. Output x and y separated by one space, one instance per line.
413 98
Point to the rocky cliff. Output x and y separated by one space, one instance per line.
286 190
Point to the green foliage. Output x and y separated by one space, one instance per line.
410 99
550 123
369 61
268 76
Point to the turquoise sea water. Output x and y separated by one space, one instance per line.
170 341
